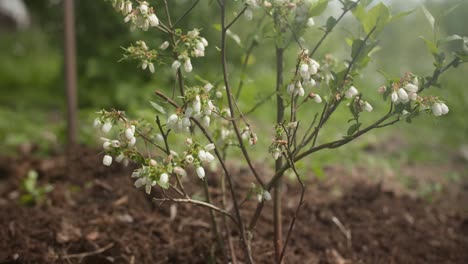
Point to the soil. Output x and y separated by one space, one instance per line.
95 215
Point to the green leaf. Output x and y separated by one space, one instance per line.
448 39
378 16
159 108
353 128
401 15
234 37
429 17
430 45
331 22
317 8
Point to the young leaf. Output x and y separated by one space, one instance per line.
159 108
378 16
429 17
430 45
331 22
353 129
317 8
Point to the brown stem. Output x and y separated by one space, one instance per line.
298 208
277 212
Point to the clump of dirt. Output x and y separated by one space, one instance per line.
95 215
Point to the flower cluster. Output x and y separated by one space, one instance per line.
142 17
115 147
153 173
405 90
307 68
405 93
192 46
197 105
196 155
143 54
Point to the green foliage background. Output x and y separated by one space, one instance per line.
32 101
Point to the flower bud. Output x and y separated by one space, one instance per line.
200 172
444 108
317 99
151 67
176 65
128 7
437 109
209 157
153 163
164 178
266 195
310 22
304 71
143 8
206 121
291 88
208 87
193 33
300 91
97 123
189 159
119 158
106 127
164 46
115 143
140 182
196 105
144 65
106 145
107 160
351 92
403 95
188 141
204 41
210 147
394 97
188 65
411 88
132 141
368 107
180 171
202 155
129 133
172 120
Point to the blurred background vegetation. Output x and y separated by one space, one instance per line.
32 101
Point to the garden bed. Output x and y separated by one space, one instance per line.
95 215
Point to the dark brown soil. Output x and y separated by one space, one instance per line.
95 215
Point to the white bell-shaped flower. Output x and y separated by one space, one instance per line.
107 160
200 172
437 109
106 127
403 95
351 92
164 178
153 20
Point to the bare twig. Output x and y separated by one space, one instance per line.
198 203
298 208
186 13
87 254
344 230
